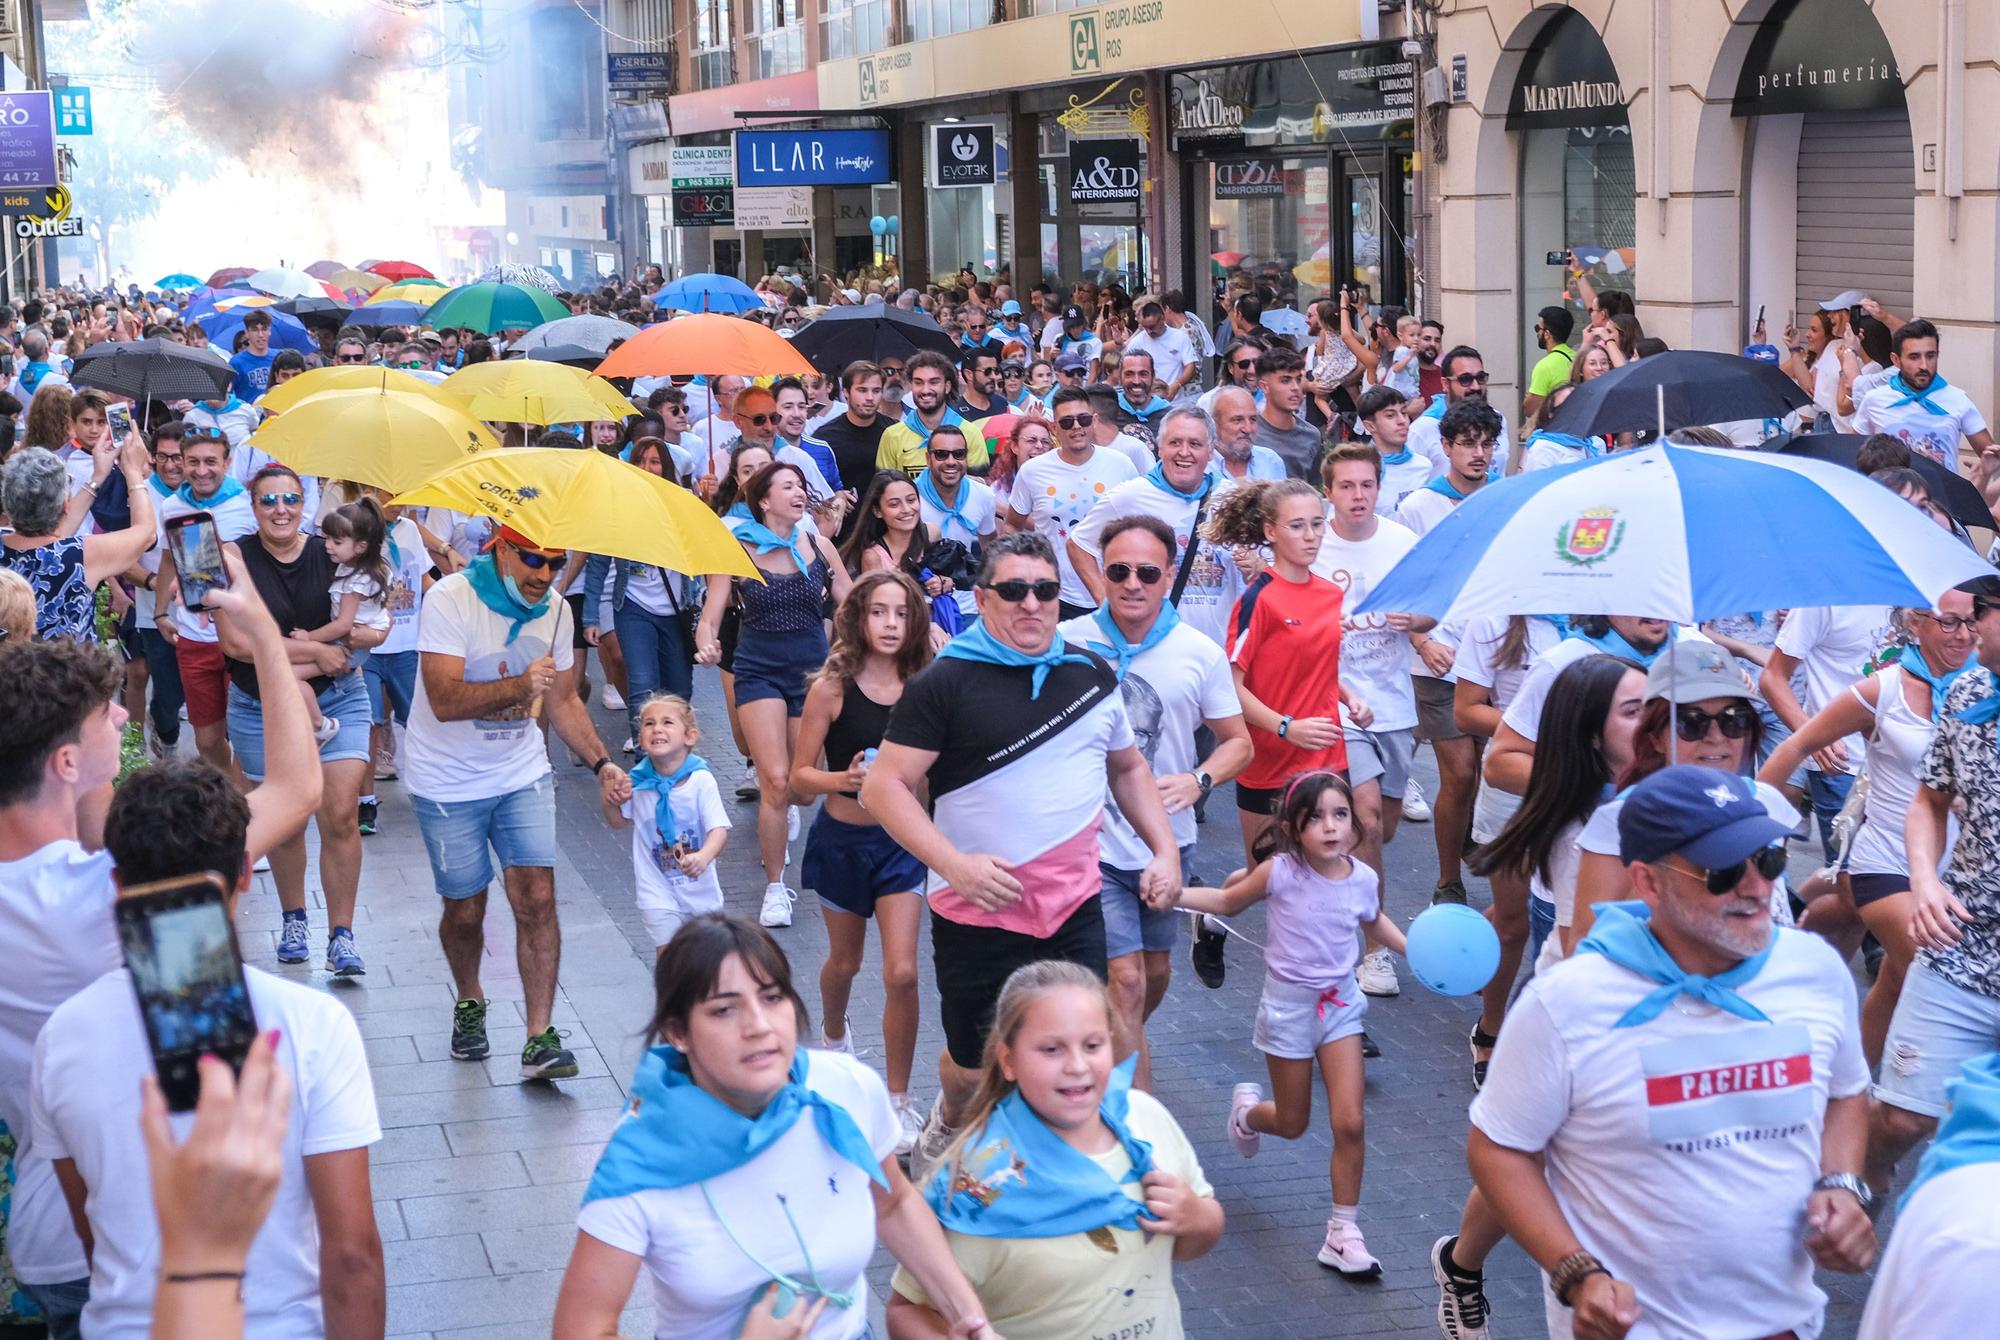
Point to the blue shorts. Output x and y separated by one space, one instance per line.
851 865
772 665
346 699
518 826
1938 1026
392 684
1129 925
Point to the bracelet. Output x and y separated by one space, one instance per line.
597 768
205 1277
1571 1271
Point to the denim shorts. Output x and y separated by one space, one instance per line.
775 666
1938 1026
1541 925
392 684
1129 925
1382 756
1294 1022
518 826
851 865
347 700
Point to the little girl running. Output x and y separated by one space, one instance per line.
356 538
1320 897
677 820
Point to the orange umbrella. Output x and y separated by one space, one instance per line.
705 345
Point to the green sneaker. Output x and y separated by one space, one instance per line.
1451 891
546 1058
468 1031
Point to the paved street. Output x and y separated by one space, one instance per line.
478 1178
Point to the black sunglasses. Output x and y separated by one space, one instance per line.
946 454
1149 573
539 561
1735 722
1014 590
1076 421
758 420
1244 364
1472 378
350 358
1770 863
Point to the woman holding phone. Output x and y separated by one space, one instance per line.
65 570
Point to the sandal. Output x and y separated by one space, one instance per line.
1481 1041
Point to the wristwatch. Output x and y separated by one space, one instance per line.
1284 727
1851 1184
1205 782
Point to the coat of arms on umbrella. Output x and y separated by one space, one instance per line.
1591 538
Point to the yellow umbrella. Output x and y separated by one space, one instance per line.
565 498
391 439
522 390
424 291
347 281
347 377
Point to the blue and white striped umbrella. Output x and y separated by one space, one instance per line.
1682 533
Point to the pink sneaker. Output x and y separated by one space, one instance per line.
1345 1252
1247 1141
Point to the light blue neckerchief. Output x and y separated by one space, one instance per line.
1402 457
646 777
1970 1131
1154 406
1913 661
927 490
1589 446
762 539
740 510
160 486
1612 643
1986 709
676 1133
1157 477
912 421
32 375
227 489
1016 1178
1622 934
1115 647
1559 622
1436 408
1923 397
1442 484
976 644
500 595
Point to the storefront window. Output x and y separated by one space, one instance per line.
1268 221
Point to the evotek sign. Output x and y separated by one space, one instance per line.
963 155
1104 172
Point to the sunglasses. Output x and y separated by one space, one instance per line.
758 420
204 434
350 358
536 562
1770 863
946 454
1472 378
1244 364
273 499
1119 573
1735 722
411 365
1014 590
1076 421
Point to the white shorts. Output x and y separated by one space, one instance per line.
1294 1022
662 922
1491 809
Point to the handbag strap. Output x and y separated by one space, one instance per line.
1187 555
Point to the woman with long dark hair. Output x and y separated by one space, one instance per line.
889 533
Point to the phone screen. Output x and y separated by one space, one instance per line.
197 551
121 419
188 976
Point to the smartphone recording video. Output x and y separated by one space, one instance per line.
120 417
197 550
188 975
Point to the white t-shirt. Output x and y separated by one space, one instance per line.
81 1116
1264 463
698 811
476 760
56 922
1524 713
1424 440
1933 435
1832 645
1172 688
1133 450
409 564
1400 481
1826 389
233 520
1942 1250
1214 583
703 1283
981 507
1374 658
372 607
1423 508
1170 349
1478 646
142 600
1056 496
1654 1135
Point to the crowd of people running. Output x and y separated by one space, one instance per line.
1017 622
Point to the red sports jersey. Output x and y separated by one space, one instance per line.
1286 637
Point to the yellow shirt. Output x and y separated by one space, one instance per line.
1071 1287
902 448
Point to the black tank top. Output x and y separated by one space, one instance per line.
296 593
858 727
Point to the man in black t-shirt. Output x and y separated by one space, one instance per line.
853 436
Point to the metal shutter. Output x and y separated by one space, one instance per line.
1856 208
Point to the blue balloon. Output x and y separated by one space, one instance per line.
878 225
1452 950
895 224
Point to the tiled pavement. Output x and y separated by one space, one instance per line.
478 1177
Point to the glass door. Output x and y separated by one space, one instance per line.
1267 222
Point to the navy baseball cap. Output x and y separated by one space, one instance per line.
1712 818
1072 315
1071 361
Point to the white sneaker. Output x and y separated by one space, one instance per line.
845 1046
1377 974
327 729
791 825
909 1123
1247 1096
932 1141
1345 1252
631 746
262 866
1415 808
777 909
613 699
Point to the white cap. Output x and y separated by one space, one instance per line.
1840 302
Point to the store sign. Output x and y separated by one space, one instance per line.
769 207
73 111
1248 178
1818 56
702 181
812 157
1567 80
639 71
1104 172
28 140
1200 111
963 155
53 218
1323 97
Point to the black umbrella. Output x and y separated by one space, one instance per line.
316 311
1678 389
843 334
575 355
1958 496
155 369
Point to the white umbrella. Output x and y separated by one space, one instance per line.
282 283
